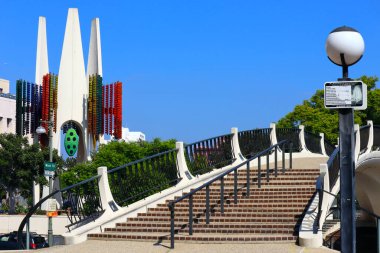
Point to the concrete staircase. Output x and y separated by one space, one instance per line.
271 213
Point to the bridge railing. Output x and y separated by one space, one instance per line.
364 138
136 180
313 142
254 141
376 138
285 145
81 202
291 134
206 155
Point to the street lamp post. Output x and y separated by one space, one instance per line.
41 130
345 47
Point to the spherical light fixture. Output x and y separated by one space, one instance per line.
345 46
40 130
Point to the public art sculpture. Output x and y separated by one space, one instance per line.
81 106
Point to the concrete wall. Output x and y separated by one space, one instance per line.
7 114
38 224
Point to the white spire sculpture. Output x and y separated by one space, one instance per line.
42 68
73 87
94 66
42 63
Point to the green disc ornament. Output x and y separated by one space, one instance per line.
71 142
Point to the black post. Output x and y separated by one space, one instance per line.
171 207
222 195
283 158
248 180
207 204
378 234
275 161
235 186
347 175
267 167
259 172
191 215
347 180
291 155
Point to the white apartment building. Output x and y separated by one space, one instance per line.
7 109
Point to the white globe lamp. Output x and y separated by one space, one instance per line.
345 46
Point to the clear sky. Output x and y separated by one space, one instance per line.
192 69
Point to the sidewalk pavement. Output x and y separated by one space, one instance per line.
94 246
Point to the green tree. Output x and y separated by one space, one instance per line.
20 164
112 155
317 119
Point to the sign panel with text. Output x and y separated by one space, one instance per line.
346 94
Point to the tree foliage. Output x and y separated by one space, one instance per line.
112 155
20 165
317 119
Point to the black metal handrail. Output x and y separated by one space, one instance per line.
220 178
81 202
253 141
292 134
333 165
364 138
136 180
206 155
376 138
313 142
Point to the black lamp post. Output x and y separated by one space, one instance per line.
345 47
41 130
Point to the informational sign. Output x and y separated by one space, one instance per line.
346 94
51 205
49 173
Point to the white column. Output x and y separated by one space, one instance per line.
183 170
235 145
302 139
105 190
370 138
323 144
273 136
357 143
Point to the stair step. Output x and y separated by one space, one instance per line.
241 204
227 209
217 219
225 214
245 225
197 230
240 238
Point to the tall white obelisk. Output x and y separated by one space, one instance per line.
94 66
72 85
42 68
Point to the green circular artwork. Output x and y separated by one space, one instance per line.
71 142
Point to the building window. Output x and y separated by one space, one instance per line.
9 121
1 90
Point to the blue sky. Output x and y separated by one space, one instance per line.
193 69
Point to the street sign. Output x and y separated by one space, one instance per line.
49 173
49 166
346 94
